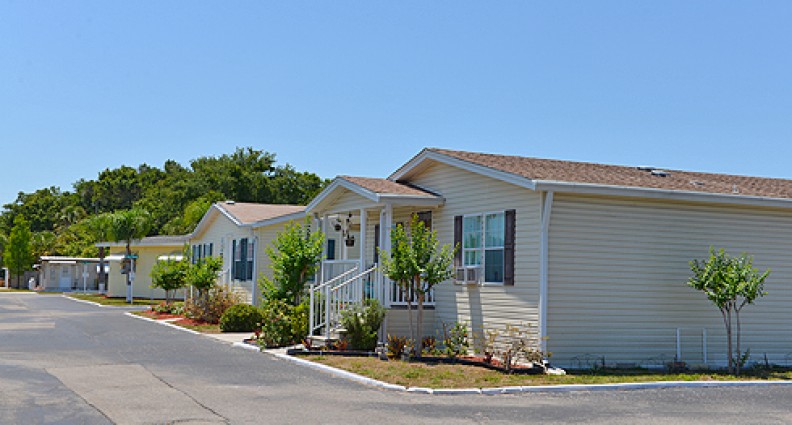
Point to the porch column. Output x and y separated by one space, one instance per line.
363 226
386 222
324 251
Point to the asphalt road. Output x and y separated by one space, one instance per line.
63 362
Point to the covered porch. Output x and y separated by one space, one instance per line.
356 215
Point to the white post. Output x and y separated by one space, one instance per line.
704 345
324 251
362 242
85 276
130 293
311 317
344 249
679 344
543 269
6 276
255 289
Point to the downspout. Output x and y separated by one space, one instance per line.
547 208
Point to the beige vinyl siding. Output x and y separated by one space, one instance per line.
141 288
488 306
397 322
220 232
618 271
349 201
266 238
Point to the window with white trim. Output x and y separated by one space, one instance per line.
483 238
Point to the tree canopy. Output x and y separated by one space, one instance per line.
730 283
176 196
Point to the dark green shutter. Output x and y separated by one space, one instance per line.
510 227
458 241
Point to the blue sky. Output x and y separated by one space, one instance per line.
359 87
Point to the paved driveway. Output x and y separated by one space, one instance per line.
64 362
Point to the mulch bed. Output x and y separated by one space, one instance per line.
159 316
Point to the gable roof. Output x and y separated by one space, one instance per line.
164 241
243 213
550 174
386 187
247 214
377 191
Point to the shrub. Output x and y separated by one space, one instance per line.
240 318
172 308
282 324
218 299
362 322
455 339
396 346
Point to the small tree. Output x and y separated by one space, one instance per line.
169 276
203 275
294 257
18 255
730 283
123 226
417 263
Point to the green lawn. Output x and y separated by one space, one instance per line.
415 374
101 299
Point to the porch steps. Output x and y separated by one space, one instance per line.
326 341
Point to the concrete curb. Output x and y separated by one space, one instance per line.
354 377
518 389
118 307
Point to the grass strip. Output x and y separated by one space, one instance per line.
416 374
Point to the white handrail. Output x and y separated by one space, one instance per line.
352 279
333 280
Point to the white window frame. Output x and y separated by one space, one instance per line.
484 248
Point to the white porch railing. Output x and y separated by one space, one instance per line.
345 285
333 268
329 299
398 296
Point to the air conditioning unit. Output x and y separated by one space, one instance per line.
468 275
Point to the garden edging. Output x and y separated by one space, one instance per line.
515 389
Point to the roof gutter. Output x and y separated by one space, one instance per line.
676 195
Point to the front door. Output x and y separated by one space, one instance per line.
65 281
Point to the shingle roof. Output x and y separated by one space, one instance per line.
616 175
248 213
385 186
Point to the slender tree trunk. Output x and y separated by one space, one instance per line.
408 295
738 363
419 324
726 312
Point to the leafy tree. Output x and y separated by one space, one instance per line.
730 283
193 214
43 243
203 276
169 276
294 258
175 196
18 253
124 226
417 263
242 176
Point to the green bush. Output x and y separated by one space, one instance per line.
210 306
283 324
362 322
240 318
